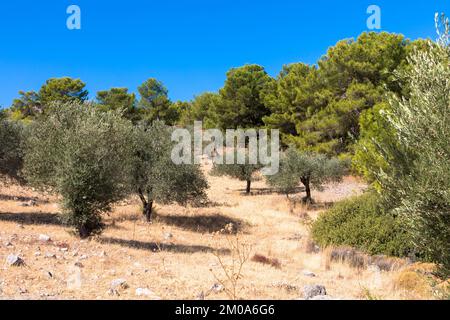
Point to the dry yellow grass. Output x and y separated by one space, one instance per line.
174 256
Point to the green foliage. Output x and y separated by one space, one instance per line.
27 106
155 103
318 109
291 97
241 104
367 160
117 99
154 175
362 222
62 90
84 155
312 170
417 177
181 110
243 172
31 104
11 148
201 109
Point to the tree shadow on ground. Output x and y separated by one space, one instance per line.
31 218
202 223
6 197
211 204
157 246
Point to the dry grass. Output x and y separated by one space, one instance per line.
178 266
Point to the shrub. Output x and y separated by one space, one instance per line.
243 172
11 148
417 176
154 175
84 155
312 170
363 223
274 262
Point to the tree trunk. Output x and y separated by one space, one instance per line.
148 209
146 205
249 184
308 198
83 232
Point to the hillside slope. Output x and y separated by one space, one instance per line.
175 257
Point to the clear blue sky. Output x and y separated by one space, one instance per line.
189 45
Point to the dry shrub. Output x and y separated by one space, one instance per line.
274 262
387 263
305 218
421 281
231 272
442 290
309 246
359 260
412 282
345 255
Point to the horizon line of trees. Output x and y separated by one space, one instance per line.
321 108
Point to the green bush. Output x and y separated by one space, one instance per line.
309 169
11 153
363 223
84 155
243 172
156 178
416 178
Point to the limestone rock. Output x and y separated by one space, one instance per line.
309 274
44 238
15 261
311 291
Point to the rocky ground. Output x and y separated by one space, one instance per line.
188 253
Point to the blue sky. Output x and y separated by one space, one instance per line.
189 45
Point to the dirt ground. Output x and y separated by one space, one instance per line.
183 253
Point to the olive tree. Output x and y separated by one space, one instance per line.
311 170
84 155
11 148
416 181
155 177
241 171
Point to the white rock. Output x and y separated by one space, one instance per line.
216 288
44 238
144 292
74 281
310 292
308 273
119 283
168 236
15 261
